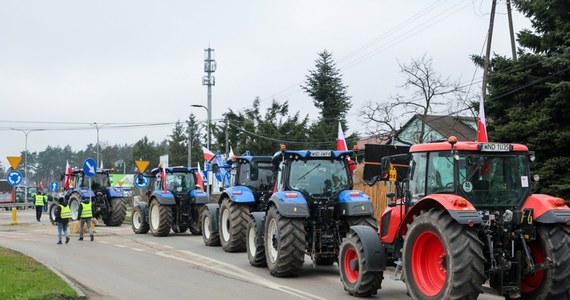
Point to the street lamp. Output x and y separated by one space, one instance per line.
26 132
208 142
97 127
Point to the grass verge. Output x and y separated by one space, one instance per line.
22 277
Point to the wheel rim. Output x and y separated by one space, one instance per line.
273 244
155 217
251 241
429 263
74 207
137 219
226 225
52 212
351 273
206 226
533 281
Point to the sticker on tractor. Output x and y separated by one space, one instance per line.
320 153
467 186
495 147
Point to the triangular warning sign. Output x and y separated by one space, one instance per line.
141 165
14 161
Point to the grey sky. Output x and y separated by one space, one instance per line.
142 61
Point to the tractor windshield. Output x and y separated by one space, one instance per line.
256 175
319 178
100 181
180 182
493 179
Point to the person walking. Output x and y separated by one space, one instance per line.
45 202
62 216
85 213
39 206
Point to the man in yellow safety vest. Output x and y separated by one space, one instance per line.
85 214
62 216
39 206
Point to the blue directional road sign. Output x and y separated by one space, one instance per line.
14 178
143 184
54 186
90 167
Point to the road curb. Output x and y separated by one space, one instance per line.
71 284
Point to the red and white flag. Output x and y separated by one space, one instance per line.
163 175
481 123
231 155
200 177
68 171
208 155
341 146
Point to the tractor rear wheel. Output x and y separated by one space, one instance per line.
196 221
160 218
442 258
232 227
139 223
284 244
74 203
117 214
552 243
255 252
210 238
351 262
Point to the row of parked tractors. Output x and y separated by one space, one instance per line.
461 214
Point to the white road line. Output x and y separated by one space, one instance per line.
138 249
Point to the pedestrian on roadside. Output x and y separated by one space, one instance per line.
62 216
85 213
39 206
45 202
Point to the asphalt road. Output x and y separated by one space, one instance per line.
122 265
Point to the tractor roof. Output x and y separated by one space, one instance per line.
250 158
177 169
303 154
469 146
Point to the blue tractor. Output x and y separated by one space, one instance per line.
172 200
108 203
310 211
248 189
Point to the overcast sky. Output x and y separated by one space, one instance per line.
131 61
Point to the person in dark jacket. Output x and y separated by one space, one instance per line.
62 216
85 213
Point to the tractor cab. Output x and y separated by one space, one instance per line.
254 172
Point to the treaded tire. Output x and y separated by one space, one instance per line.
232 225
118 212
139 224
51 212
362 220
351 261
255 253
210 238
196 222
159 218
324 260
284 244
74 203
442 258
553 242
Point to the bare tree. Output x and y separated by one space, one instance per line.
429 94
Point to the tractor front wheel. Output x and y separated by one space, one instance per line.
352 262
74 202
442 258
210 238
233 223
196 221
255 252
551 247
139 222
160 219
284 244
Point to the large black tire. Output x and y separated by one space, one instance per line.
553 242
351 261
74 203
139 222
232 226
442 258
210 238
159 218
118 212
255 252
51 212
362 220
284 244
196 222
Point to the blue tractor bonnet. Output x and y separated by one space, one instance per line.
302 154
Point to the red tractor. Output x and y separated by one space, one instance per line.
465 214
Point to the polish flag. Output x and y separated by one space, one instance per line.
341 146
67 184
163 174
481 123
200 177
231 155
208 155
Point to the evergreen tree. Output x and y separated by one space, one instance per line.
527 99
178 146
194 130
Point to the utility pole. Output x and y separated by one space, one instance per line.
488 52
209 81
511 30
